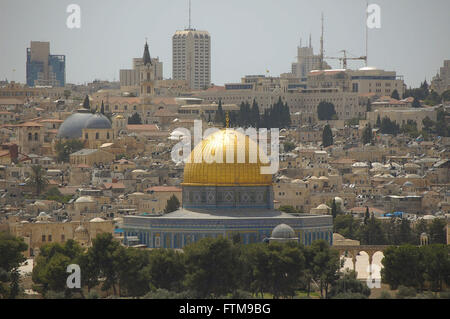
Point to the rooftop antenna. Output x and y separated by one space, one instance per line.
367 35
321 46
189 14
310 40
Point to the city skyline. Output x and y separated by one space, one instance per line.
402 44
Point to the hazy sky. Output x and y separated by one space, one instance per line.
248 36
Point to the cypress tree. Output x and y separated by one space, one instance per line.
86 103
219 118
327 136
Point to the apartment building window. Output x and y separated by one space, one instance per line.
43 237
49 237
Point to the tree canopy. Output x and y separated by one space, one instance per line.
326 111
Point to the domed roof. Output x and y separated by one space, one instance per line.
408 184
322 206
98 121
283 231
207 164
337 236
97 220
72 127
85 199
339 200
81 229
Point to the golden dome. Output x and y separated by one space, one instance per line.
204 169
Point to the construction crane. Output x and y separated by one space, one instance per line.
345 58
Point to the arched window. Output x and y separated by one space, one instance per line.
36 136
97 136
30 136
107 135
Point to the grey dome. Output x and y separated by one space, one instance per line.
98 121
73 125
283 231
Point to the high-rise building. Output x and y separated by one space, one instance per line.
44 69
306 62
191 58
441 82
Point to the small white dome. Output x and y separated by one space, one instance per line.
85 199
283 231
96 220
339 200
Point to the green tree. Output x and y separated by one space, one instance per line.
135 119
327 136
378 123
220 116
86 103
288 146
54 194
255 116
433 98
172 204
11 258
366 215
367 137
50 267
212 267
334 208
346 225
38 179
428 124
372 233
348 284
325 265
445 96
437 265
64 149
395 95
275 268
416 102
167 269
91 271
403 265
326 111
437 232
103 255
67 94
389 127
132 276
